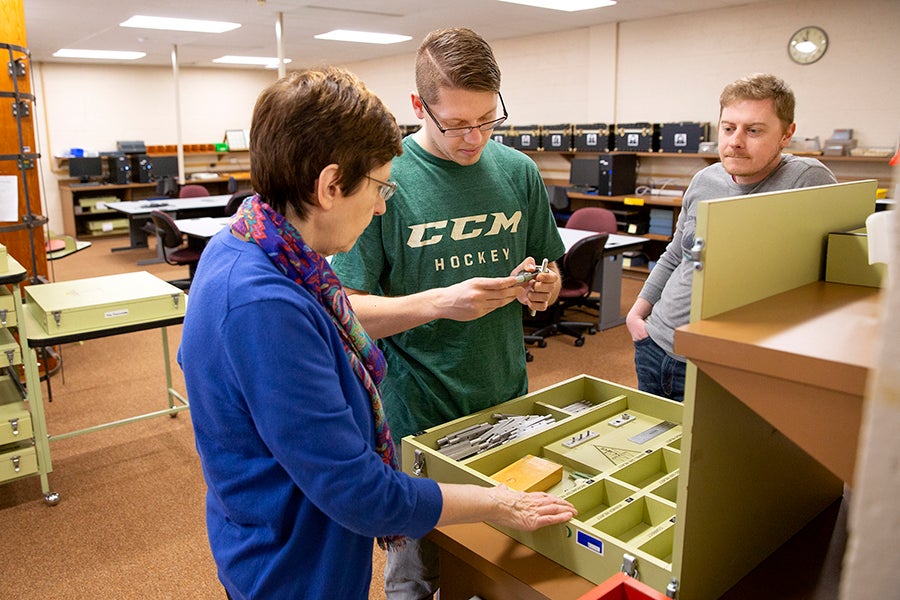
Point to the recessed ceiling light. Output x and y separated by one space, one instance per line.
365 37
566 5
98 54
263 61
171 24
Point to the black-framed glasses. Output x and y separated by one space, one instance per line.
461 131
385 188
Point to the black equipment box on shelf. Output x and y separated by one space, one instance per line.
592 137
556 138
526 137
636 137
504 136
683 136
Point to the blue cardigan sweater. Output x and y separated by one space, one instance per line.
284 429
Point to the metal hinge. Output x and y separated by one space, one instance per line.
630 566
419 464
695 254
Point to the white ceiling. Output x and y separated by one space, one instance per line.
89 24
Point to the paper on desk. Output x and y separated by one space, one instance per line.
9 198
880 234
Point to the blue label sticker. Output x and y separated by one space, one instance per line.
591 543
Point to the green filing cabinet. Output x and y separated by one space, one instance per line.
24 448
688 497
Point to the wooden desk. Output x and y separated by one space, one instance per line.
800 360
476 559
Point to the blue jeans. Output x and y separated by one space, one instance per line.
657 372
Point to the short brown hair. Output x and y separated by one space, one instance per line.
761 86
455 58
308 120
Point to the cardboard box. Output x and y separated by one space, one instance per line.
97 303
847 260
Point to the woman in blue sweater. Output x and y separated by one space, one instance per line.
283 380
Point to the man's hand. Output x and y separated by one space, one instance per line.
635 321
540 292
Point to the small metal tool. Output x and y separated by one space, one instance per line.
542 269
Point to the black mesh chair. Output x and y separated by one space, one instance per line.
236 200
174 251
581 265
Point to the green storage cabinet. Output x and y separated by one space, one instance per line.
95 303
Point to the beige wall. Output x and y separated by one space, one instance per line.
666 69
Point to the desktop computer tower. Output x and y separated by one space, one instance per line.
618 174
141 168
119 169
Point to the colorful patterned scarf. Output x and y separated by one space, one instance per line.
257 222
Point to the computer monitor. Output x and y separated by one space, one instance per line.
164 166
584 173
86 167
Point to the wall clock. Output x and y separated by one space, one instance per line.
807 45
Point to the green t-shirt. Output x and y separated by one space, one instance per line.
445 224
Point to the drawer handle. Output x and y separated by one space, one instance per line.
14 424
15 461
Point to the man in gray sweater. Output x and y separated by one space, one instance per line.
756 122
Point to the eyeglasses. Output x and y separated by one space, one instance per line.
385 188
461 131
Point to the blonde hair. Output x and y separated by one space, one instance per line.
761 86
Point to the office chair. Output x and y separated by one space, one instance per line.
193 190
580 266
593 218
236 200
170 239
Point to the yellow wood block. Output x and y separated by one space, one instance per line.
530 474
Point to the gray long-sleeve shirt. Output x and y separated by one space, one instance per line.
668 287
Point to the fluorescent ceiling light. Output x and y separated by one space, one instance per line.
263 61
170 24
365 37
566 5
98 54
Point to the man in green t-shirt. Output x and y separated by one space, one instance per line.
433 279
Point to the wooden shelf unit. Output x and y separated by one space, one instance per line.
85 217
